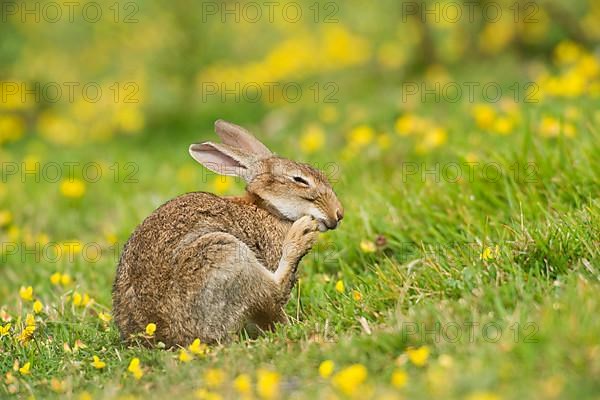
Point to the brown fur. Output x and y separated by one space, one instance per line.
202 266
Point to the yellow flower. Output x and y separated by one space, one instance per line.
361 136
184 356
496 36
97 363
111 238
326 368
129 119
489 254
105 317
26 293
339 286
5 329
85 300
29 320
14 233
418 356
356 295
5 218
55 278
198 348
222 184
503 125
150 329
25 369
312 139
73 189
407 124
135 369
567 52
37 307
214 377
484 115
243 384
435 137
350 379
552 127
399 378
65 279
26 334
11 127
267 385
367 246
77 298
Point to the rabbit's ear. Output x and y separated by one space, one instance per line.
237 136
223 159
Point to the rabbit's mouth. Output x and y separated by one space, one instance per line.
322 225
327 224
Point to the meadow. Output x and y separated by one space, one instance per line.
467 265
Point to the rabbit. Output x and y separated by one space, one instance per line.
203 266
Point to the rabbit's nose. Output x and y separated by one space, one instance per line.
339 213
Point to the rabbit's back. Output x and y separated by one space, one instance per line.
149 271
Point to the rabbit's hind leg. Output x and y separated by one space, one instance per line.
224 286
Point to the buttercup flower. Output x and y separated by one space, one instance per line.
97 363
399 379
135 369
222 184
81 300
60 279
214 377
4 329
26 293
367 246
312 139
5 218
150 329
243 384
37 306
25 369
326 368
267 385
184 356
105 317
489 254
350 379
72 189
418 356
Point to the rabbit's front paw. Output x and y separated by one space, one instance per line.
300 238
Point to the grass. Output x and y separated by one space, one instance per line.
516 323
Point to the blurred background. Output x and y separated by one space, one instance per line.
92 72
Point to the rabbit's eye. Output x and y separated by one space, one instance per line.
300 180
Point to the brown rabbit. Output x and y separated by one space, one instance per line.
203 266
